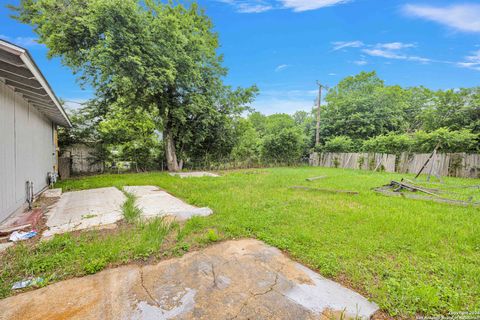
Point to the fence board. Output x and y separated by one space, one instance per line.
449 164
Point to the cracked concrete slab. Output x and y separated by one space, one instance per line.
243 279
86 209
155 202
196 174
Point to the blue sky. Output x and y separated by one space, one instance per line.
285 46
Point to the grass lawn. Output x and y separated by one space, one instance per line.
409 256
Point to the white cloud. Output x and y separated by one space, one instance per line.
395 45
281 67
389 54
472 61
21 41
332 74
338 45
388 50
360 62
306 5
74 103
462 17
258 6
249 6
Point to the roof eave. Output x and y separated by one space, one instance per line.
27 60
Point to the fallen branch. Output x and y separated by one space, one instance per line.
324 190
316 178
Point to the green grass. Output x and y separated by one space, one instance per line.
77 254
131 212
409 256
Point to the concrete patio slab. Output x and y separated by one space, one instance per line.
196 174
243 279
85 209
155 202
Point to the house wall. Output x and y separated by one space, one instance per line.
27 151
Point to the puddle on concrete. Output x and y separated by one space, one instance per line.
146 311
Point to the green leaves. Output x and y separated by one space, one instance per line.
339 144
145 54
421 141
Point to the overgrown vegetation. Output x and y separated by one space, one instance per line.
131 213
78 254
409 256
388 120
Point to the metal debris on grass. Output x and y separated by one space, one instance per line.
27 283
19 236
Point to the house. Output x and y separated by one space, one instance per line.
29 115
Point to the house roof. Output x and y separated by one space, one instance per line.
19 71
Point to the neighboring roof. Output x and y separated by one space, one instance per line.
19 71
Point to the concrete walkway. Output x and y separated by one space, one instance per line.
154 202
86 209
102 208
243 279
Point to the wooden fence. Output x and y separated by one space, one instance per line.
448 164
79 160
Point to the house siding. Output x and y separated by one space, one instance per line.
27 150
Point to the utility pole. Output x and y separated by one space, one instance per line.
320 87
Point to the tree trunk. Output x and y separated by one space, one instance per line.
170 152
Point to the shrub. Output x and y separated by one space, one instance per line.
449 141
421 141
285 146
391 143
339 144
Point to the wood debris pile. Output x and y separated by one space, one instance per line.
407 189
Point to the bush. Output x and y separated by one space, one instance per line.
449 141
391 143
424 142
285 146
339 144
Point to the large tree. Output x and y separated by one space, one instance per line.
453 109
146 54
362 106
